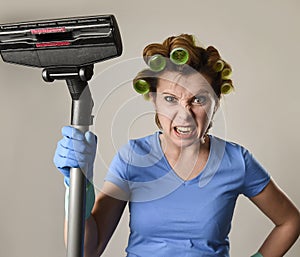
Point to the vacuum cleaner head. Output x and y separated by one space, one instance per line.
69 42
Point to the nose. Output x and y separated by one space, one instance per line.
185 113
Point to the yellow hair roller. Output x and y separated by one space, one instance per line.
226 88
218 66
226 73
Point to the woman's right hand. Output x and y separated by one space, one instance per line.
75 150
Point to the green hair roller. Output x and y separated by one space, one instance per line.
218 66
142 86
179 56
157 62
226 73
226 88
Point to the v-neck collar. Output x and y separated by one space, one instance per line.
208 165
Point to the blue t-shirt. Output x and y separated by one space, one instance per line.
172 217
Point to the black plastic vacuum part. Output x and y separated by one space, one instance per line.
68 42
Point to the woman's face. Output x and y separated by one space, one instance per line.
185 105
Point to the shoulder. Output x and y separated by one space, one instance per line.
145 143
236 151
135 153
241 163
232 154
142 145
232 149
140 149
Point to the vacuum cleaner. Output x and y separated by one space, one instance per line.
66 49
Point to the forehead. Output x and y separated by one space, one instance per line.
178 83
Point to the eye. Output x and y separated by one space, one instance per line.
199 100
170 99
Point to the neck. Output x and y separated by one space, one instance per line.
176 153
187 161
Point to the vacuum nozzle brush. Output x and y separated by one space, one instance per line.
68 42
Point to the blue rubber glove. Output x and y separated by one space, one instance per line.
75 150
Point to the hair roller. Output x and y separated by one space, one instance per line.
155 56
141 86
184 47
180 52
226 88
144 82
157 62
179 56
226 73
218 66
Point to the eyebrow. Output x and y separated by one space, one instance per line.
202 91
167 93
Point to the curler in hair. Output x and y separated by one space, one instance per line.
226 88
226 73
218 66
179 56
157 62
141 86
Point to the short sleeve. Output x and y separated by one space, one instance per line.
117 173
256 177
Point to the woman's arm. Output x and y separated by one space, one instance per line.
284 214
100 226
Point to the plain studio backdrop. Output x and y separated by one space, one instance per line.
260 39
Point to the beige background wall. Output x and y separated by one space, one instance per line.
260 39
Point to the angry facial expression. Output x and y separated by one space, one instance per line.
185 105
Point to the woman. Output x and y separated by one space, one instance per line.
181 183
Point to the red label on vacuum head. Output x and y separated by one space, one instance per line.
48 30
49 44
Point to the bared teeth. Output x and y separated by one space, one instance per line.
183 130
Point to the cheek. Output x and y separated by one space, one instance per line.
209 112
204 115
165 115
164 111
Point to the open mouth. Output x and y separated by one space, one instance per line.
186 131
